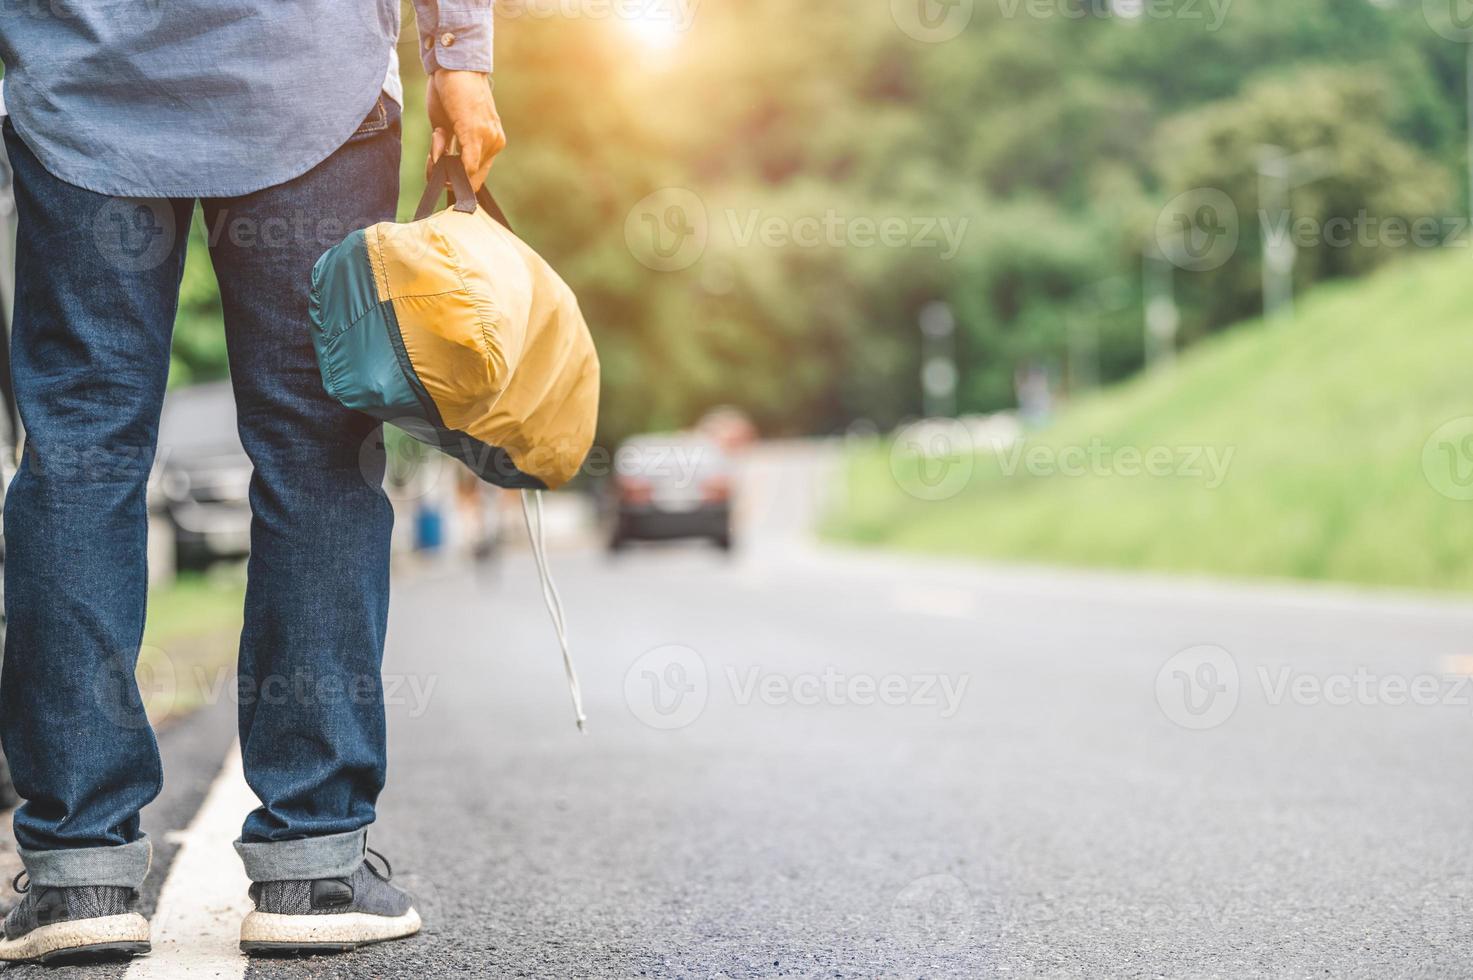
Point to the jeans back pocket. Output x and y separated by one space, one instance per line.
384 114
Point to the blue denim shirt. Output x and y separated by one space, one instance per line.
209 98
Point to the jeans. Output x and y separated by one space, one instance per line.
98 288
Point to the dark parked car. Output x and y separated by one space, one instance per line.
202 475
671 486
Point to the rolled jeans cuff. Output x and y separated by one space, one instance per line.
332 856
125 865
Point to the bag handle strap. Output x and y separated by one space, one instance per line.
449 169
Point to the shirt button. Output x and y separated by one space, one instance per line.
447 39
429 42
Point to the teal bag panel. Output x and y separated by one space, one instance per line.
364 366
356 341
342 287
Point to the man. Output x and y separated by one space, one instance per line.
282 119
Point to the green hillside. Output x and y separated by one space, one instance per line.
1330 432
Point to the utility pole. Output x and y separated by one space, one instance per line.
1274 219
1163 316
1469 106
1279 173
1104 297
939 373
1084 353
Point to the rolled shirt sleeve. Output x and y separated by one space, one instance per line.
455 34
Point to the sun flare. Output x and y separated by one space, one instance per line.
655 26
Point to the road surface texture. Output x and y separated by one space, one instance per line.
804 762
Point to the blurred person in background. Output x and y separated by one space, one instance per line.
283 121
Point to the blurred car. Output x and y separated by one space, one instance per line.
671 486
202 476
729 427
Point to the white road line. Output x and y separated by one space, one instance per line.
196 929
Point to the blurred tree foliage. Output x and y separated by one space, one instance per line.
1049 134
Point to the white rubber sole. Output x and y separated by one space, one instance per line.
268 932
121 935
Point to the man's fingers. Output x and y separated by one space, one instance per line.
479 150
472 154
478 179
488 156
438 143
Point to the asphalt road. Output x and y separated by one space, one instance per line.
812 763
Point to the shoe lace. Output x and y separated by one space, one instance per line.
15 883
385 875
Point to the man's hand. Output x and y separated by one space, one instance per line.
460 105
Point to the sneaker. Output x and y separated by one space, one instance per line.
328 915
52 925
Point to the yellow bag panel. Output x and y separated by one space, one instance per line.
495 336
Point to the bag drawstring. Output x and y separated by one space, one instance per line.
551 597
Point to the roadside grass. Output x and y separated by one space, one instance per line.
1337 468
189 643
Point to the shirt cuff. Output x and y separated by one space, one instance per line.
459 42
